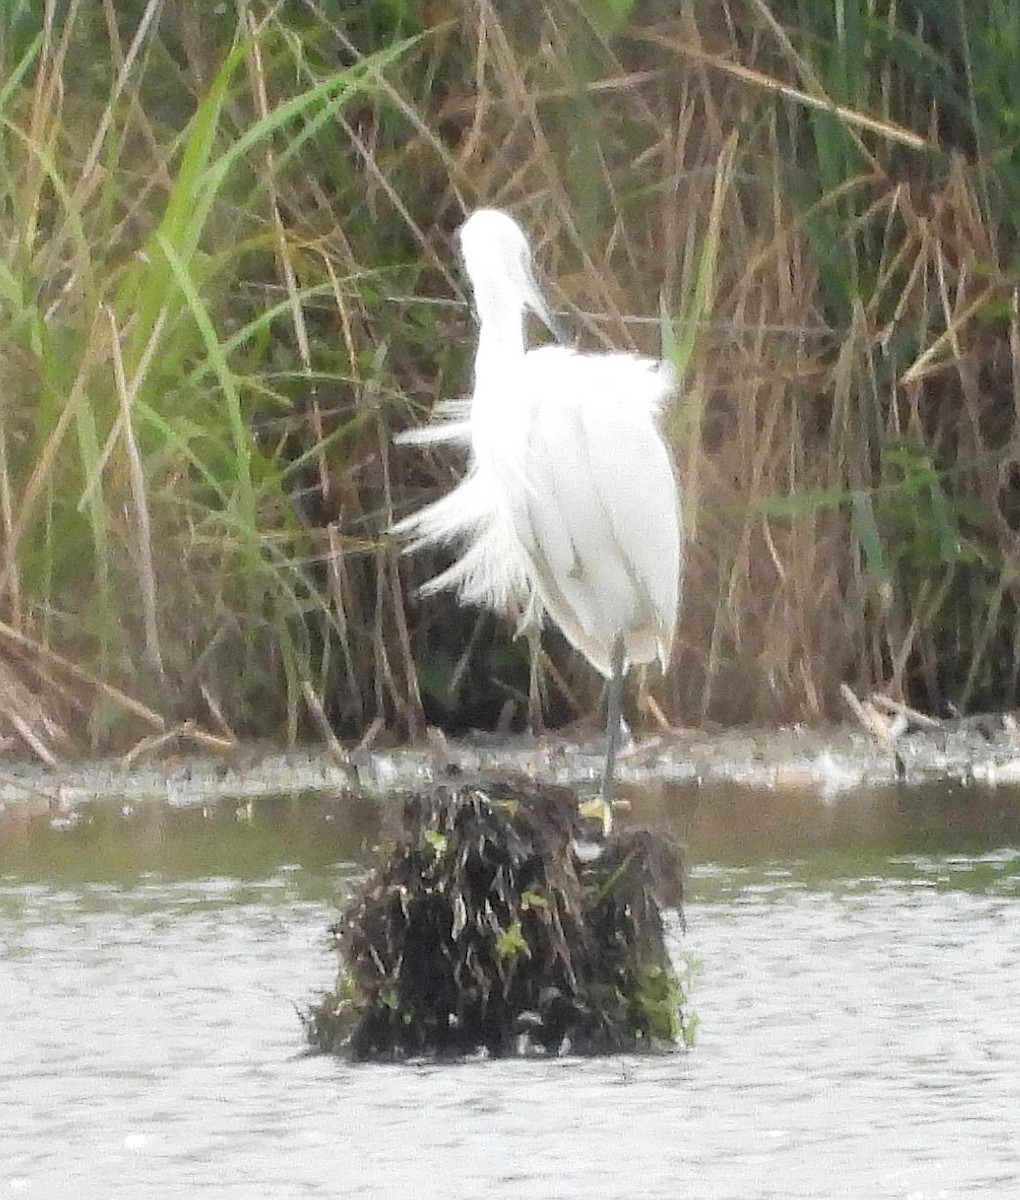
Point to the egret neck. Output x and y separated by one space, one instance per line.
500 344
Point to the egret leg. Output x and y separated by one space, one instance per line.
613 716
536 721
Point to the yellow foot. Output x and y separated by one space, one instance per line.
602 811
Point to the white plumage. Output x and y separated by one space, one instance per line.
569 506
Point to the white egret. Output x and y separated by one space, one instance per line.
569 506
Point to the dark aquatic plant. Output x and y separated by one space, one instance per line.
483 929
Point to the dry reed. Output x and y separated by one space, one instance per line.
219 303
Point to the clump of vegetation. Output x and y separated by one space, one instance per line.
483 929
163 409
226 278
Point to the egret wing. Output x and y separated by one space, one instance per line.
592 496
546 482
638 493
489 570
450 422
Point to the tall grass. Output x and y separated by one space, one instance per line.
915 245
226 278
150 529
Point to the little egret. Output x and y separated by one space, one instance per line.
570 505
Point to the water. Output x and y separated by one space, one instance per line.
857 983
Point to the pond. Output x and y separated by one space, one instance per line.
856 973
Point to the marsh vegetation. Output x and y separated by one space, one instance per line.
226 280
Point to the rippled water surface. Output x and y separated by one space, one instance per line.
857 984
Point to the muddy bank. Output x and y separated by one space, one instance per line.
830 762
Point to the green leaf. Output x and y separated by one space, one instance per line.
608 16
866 528
436 840
512 943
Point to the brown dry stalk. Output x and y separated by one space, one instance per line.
123 413
336 751
928 361
10 562
31 739
88 178
850 117
136 477
121 699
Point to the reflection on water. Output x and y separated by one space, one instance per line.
859 966
740 826
246 839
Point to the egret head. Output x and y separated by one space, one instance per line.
497 259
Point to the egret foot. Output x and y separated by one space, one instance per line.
600 809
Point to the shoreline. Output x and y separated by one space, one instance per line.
832 761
